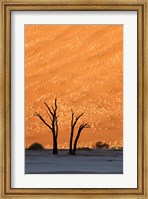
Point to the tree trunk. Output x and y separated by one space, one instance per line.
75 145
71 137
55 146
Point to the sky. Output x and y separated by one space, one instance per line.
82 67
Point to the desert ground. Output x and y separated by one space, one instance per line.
81 66
95 161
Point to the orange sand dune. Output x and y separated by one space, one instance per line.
81 66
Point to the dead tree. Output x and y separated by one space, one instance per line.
73 123
81 127
52 113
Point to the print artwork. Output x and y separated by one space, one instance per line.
73 99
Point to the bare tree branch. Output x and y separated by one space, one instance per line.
72 114
77 118
56 104
41 118
53 110
48 108
56 125
49 116
84 125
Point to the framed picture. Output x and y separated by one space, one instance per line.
73 99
